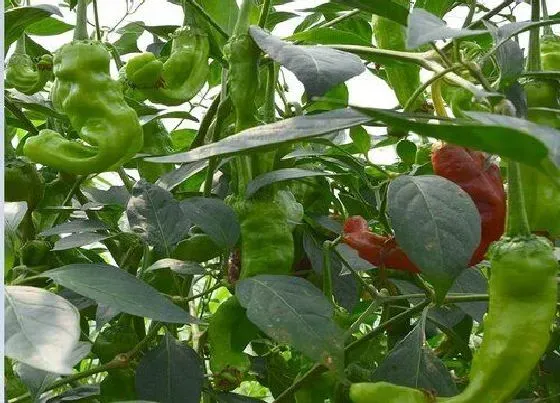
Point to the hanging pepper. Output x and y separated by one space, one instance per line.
22 182
378 250
26 76
482 180
404 79
229 332
177 80
267 246
84 91
156 142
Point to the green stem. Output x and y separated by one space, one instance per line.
547 29
80 30
269 106
423 87
96 16
18 113
244 17
126 180
206 122
264 13
341 18
437 99
517 223
534 56
327 270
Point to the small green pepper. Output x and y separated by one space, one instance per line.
26 76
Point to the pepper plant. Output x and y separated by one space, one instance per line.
187 223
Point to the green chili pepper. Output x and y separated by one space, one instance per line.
177 80
267 246
229 332
25 75
84 91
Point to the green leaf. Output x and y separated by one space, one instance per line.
157 217
117 289
79 239
168 115
43 344
171 372
215 218
509 137
328 36
292 311
280 175
437 225
75 226
285 131
174 178
383 8
48 26
17 19
424 28
412 363
319 68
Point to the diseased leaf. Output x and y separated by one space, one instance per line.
318 68
42 329
156 216
291 310
119 290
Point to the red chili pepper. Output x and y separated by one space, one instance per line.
481 179
376 249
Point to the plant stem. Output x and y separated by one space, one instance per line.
423 87
96 16
264 13
206 122
244 17
340 18
80 30
126 180
534 55
547 29
517 223
18 113
208 18
327 270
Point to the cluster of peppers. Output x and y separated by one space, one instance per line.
475 174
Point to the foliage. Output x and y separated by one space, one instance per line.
198 228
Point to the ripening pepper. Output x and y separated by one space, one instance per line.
404 79
481 179
26 76
180 77
229 332
378 250
84 91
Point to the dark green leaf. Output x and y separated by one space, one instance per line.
168 115
437 225
318 68
291 310
174 178
75 226
170 373
383 8
328 36
215 218
156 217
280 175
424 28
412 363
119 290
79 239
288 130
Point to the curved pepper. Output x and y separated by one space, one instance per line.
267 245
482 181
26 76
378 250
180 78
229 332
84 91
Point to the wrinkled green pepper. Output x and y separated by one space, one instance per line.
26 76
180 77
84 91
550 52
22 182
